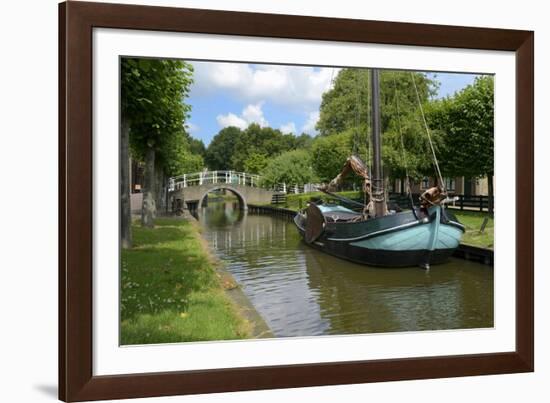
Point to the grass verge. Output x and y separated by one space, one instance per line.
299 201
171 291
473 220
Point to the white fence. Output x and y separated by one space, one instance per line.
295 189
233 178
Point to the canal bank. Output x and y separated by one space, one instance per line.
464 251
172 292
258 328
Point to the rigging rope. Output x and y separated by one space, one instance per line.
367 143
369 125
401 134
440 177
355 146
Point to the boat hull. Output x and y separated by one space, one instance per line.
399 241
385 258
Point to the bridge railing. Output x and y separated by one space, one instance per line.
233 178
212 177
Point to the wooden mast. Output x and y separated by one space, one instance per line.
377 178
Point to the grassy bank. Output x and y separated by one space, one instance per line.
473 220
299 201
170 289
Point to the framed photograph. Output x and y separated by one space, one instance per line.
253 201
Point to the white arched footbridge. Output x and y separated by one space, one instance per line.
191 189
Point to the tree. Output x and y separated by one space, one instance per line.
152 102
346 108
188 162
347 104
466 123
328 155
257 140
255 162
197 147
222 148
304 140
125 207
260 140
248 150
292 167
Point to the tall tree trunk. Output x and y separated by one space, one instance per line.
125 208
159 188
491 193
148 210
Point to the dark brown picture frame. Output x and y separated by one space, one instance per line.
76 23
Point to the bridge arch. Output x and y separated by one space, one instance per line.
242 199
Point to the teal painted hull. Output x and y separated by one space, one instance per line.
404 239
430 236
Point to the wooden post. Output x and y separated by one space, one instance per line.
461 202
480 203
483 225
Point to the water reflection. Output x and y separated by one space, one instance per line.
300 291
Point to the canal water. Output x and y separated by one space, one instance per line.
300 291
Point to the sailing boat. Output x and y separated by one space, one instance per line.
427 234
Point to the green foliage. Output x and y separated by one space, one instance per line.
260 140
347 104
178 157
415 156
346 109
304 140
222 147
152 94
250 149
196 146
170 291
255 162
184 162
328 154
292 167
466 123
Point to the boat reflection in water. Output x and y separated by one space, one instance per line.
300 291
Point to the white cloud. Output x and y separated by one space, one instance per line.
252 113
231 120
293 86
309 125
289 127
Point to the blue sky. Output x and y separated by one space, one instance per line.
282 97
